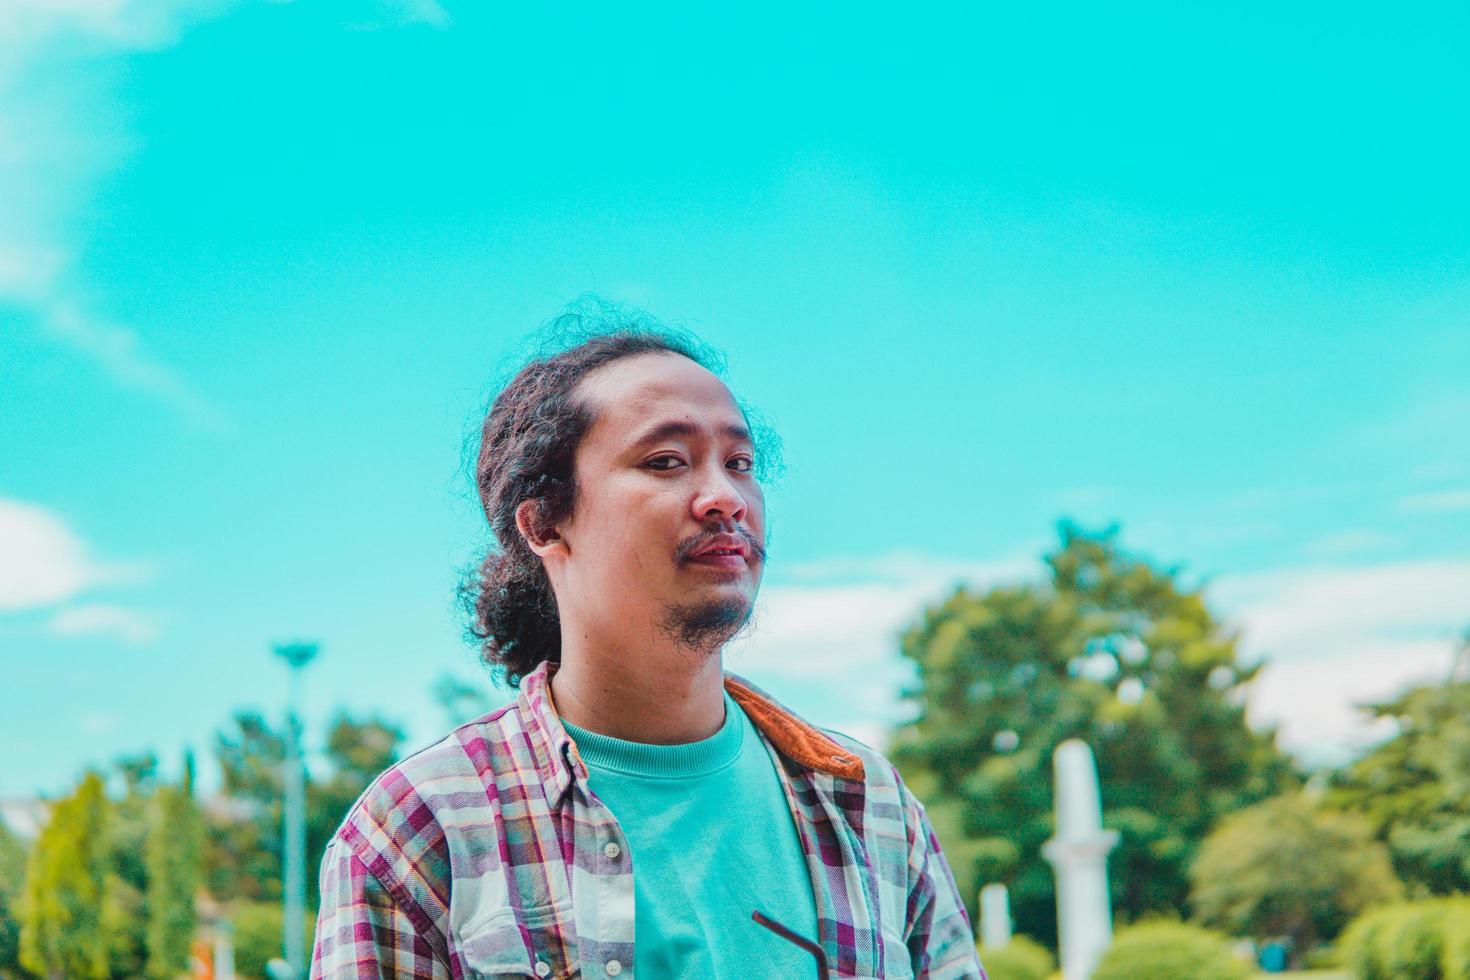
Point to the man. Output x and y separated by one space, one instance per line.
635 807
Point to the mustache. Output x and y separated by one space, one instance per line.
693 544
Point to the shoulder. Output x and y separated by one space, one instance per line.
404 814
877 770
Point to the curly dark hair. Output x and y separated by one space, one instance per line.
528 441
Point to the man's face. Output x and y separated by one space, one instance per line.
668 525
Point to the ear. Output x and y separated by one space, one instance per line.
541 540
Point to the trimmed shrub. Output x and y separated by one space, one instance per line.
1165 950
1456 926
1362 951
1422 940
1021 959
1411 941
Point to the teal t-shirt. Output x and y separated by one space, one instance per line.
712 840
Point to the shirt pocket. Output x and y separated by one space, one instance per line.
494 946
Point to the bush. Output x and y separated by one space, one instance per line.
1361 951
1423 940
1286 868
260 934
1456 925
1169 951
1021 959
1411 941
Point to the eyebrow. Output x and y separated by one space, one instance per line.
665 430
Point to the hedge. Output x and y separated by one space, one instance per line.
1020 959
1421 940
1164 950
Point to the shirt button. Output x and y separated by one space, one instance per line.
614 968
542 968
612 850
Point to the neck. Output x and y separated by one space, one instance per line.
658 694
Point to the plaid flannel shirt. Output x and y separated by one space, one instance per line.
486 855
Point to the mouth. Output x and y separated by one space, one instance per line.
728 552
724 558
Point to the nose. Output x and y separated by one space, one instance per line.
719 498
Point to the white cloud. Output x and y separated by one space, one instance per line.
836 623
27 272
124 24
1333 638
50 159
1336 638
1313 613
128 625
41 560
1318 705
122 355
1351 541
44 562
1437 502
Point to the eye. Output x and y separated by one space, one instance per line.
664 463
741 464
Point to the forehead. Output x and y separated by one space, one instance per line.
631 393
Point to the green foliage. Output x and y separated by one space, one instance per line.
1412 942
62 900
12 879
1360 946
1284 867
174 859
123 927
1021 959
1423 940
1456 952
462 701
243 845
260 936
1113 651
1164 950
1415 788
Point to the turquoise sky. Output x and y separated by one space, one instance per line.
1204 273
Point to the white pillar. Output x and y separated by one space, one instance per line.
1079 853
224 951
995 916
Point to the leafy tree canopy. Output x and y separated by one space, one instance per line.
1414 789
1287 868
61 909
243 844
1112 650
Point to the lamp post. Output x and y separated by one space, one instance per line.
297 656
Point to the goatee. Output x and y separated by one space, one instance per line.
705 627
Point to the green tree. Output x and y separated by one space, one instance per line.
61 907
129 818
243 846
1111 650
260 934
1285 867
12 879
1414 789
243 838
461 700
174 858
124 927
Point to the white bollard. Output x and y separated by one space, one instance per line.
995 916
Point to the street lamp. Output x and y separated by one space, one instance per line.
297 656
